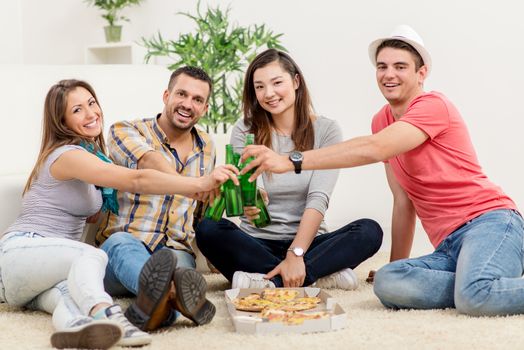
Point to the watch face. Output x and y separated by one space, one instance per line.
296 156
298 251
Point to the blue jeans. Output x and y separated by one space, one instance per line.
230 249
477 269
127 255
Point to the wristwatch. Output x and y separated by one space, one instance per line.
297 251
296 158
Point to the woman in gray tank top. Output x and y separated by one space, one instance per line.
43 265
296 249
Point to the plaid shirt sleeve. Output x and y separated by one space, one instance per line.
127 144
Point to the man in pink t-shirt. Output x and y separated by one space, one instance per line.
433 173
442 176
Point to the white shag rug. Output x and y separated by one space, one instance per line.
370 326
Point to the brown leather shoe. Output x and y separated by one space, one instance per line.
152 305
190 296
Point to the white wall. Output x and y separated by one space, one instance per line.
476 47
25 87
10 32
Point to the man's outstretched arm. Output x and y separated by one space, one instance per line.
396 139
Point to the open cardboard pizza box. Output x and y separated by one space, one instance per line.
252 323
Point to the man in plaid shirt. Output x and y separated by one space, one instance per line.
148 242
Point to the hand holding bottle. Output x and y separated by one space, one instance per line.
217 177
252 213
232 191
266 160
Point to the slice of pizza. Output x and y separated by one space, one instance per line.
252 302
274 315
297 318
301 304
280 295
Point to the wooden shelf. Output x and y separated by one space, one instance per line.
115 53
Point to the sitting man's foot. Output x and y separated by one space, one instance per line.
344 279
243 279
132 336
151 307
189 296
86 333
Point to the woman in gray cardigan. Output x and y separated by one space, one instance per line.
295 249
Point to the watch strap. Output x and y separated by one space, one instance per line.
292 249
296 163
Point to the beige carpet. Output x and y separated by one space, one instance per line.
370 326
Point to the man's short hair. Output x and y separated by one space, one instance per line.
193 72
402 45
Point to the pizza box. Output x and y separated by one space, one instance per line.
252 323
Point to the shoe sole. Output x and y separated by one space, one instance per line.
152 307
97 335
134 341
190 297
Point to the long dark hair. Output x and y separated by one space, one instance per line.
54 131
260 121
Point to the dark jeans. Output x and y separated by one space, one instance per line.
230 249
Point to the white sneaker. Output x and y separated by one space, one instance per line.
344 279
132 336
87 333
243 279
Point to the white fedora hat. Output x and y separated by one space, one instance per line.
407 34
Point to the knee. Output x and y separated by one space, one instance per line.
474 300
393 289
371 234
207 232
383 283
96 253
118 239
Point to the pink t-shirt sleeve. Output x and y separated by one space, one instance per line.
380 120
429 113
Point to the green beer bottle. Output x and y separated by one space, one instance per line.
249 189
263 217
216 209
236 159
232 193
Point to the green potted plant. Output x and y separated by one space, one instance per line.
111 13
223 51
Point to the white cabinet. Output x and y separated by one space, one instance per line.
115 53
